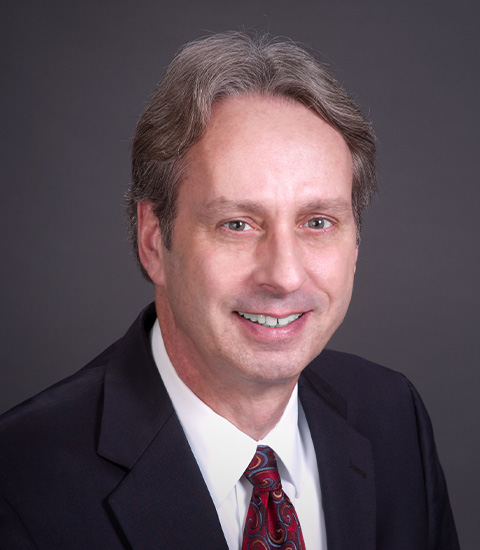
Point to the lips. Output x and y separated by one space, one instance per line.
268 321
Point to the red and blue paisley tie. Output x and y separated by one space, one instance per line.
271 518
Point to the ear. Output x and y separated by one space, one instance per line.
356 258
150 245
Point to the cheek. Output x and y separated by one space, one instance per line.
221 269
334 270
203 283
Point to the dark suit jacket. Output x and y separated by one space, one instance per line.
100 461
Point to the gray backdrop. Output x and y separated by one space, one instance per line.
77 74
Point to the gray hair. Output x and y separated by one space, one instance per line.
214 68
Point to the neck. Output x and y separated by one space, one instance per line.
255 412
254 407
252 404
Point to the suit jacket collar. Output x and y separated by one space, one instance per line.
163 500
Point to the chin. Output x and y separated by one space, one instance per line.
273 372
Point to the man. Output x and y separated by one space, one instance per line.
251 168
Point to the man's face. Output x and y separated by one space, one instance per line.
261 268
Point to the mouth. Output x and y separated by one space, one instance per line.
270 322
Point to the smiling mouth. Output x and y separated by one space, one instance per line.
271 322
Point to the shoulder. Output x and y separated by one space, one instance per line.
45 444
50 444
341 366
384 406
354 376
371 396
77 396
67 407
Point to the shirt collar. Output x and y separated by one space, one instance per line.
285 440
223 451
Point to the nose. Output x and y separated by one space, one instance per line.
279 266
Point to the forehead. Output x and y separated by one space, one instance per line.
257 142
237 117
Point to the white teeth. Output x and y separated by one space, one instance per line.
284 322
268 321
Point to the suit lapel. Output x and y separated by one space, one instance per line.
162 502
345 467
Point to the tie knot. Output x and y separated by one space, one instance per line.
262 472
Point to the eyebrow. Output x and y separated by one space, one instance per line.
222 206
330 206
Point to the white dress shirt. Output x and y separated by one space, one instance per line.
223 453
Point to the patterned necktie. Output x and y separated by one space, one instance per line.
271 518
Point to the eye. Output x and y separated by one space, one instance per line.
318 223
237 225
